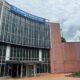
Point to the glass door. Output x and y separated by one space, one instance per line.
30 70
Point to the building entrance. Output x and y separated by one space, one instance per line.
30 70
15 70
21 70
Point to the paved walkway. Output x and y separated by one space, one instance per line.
46 77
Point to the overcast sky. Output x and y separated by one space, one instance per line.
66 12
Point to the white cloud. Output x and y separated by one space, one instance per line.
66 12
75 38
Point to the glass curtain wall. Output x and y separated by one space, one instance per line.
23 31
19 54
2 60
31 55
0 16
28 54
0 8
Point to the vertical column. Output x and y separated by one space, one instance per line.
40 55
21 70
1 17
0 68
8 71
7 53
26 70
34 70
17 70
4 70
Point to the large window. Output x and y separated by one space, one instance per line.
2 59
21 54
24 31
0 18
29 54
0 8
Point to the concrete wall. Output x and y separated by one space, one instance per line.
64 57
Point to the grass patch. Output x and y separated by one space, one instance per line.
76 74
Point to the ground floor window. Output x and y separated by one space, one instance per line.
43 68
23 61
22 70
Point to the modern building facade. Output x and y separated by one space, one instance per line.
30 45
24 42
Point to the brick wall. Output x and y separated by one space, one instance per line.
64 57
72 57
56 49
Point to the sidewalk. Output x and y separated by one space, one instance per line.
47 77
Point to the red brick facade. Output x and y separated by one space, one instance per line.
64 57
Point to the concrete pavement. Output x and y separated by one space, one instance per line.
45 77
